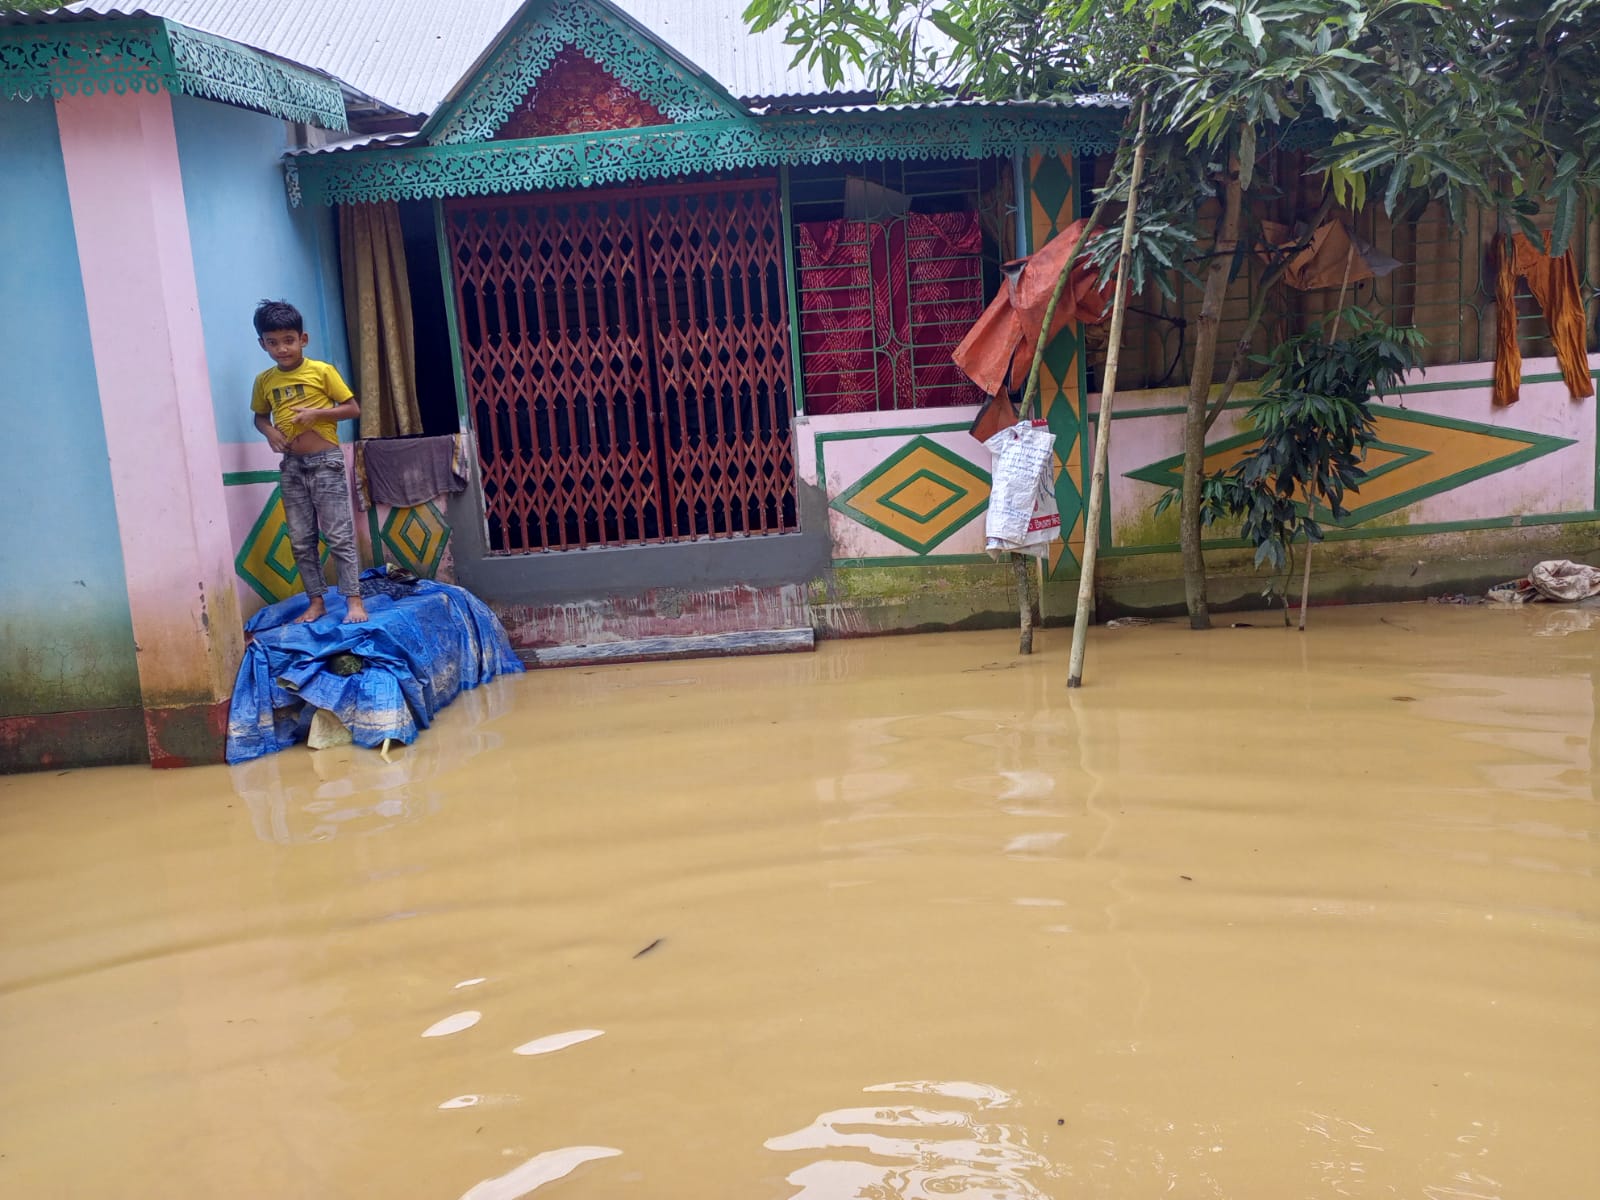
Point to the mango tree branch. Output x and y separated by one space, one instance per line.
1258 310
1242 351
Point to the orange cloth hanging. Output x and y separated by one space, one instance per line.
1330 259
1554 284
998 349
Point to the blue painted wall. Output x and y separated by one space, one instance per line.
66 637
250 245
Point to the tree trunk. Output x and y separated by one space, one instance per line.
1024 603
1305 587
1258 310
1102 438
1333 332
1207 330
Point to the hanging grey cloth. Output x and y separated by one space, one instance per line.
407 471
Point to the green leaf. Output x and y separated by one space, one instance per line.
1325 98
1397 179
1363 162
946 24
1566 216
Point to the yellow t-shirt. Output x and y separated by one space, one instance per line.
312 383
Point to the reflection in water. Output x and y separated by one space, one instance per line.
557 1041
913 1152
476 1100
536 1172
981 1094
313 795
1564 620
1031 845
1254 915
454 1023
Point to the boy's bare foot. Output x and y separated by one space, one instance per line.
313 610
355 611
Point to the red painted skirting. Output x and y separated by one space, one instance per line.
92 738
192 736
189 736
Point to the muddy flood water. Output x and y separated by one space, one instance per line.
1254 914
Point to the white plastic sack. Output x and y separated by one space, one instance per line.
1022 515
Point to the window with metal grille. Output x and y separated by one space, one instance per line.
1444 285
894 262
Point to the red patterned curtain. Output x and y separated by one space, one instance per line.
882 305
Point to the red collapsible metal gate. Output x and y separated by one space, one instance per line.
626 355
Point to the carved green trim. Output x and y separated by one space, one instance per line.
663 152
223 70
39 61
603 34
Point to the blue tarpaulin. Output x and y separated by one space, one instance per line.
425 643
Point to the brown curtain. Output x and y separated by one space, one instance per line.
377 313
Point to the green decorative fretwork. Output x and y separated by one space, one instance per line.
631 56
149 54
663 152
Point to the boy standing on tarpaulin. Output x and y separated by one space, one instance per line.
298 404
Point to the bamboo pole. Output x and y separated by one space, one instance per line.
1030 400
1338 313
1108 390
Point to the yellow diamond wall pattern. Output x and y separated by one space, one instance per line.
266 560
918 496
416 537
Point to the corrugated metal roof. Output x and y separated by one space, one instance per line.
1087 100
411 53
712 34
406 53
365 141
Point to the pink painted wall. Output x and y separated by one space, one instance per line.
847 460
244 502
1560 482
126 191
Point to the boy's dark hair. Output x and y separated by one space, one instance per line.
275 315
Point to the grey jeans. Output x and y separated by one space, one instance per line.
316 501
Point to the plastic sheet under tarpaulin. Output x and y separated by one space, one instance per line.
419 650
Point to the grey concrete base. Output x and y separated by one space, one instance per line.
646 649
